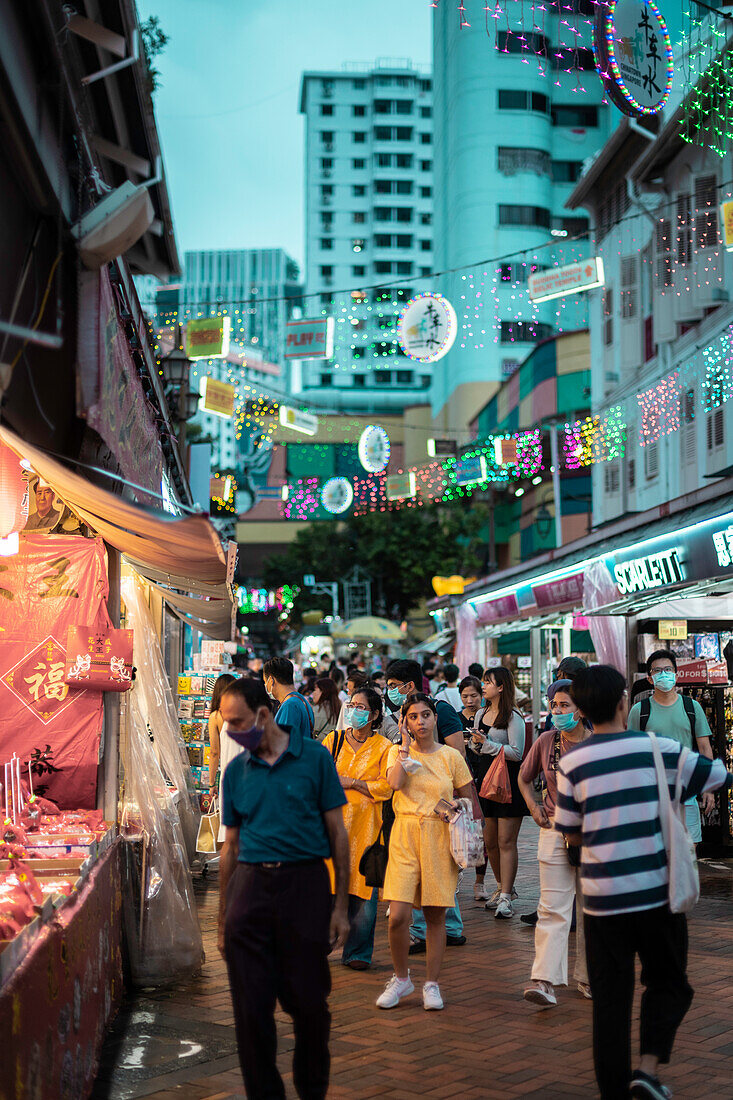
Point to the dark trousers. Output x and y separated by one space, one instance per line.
659 938
276 946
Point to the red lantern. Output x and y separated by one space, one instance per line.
12 491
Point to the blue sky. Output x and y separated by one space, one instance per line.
227 107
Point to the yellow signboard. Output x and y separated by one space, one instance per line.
208 337
217 398
726 223
670 629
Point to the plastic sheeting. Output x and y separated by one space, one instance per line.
161 925
157 708
607 631
466 641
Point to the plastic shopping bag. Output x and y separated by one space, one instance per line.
466 836
496 786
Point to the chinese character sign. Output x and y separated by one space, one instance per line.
427 328
52 583
634 55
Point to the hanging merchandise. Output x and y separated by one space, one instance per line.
427 328
633 54
374 449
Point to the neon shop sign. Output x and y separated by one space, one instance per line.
653 571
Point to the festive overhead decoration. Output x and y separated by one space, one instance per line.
595 439
427 327
717 384
660 410
374 449
337 495
633 55
258 601
707 62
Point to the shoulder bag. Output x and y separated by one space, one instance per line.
373 863
684 879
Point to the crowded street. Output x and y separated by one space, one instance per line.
487 1044
366 550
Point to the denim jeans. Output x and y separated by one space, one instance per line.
453 923
363 920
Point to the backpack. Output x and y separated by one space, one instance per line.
646 710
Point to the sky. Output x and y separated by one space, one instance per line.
227 104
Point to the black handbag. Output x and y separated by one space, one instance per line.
373 863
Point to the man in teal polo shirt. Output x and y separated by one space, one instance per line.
277 919
293 709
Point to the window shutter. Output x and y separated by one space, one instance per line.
664 253
719 427
684 233
628 287
706 207
651 460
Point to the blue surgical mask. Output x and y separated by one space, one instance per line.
395 696
565 721
664 680
358 718
248 739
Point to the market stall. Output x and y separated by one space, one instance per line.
66 670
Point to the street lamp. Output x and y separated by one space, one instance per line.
176 368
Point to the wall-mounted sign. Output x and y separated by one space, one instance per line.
654 571
309 339
670 629
427 328
470 470
633 55
337 495
571 279
217 398
298 420
208 337
374 449
726 224
401 486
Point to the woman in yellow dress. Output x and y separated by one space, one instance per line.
360 755
421 871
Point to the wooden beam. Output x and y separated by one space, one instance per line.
99 35
121 156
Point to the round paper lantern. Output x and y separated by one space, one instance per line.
374 449
12 491
427 328
337 495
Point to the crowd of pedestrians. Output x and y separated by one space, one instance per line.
315 833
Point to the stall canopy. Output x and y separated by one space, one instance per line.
441 642
368 628
178 555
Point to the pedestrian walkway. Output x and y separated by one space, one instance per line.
487 1043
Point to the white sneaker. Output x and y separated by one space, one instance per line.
504 909
431 998
395 989
494 899
479 893
542 994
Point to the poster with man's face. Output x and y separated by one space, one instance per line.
44 508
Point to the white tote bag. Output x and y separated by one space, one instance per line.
684 879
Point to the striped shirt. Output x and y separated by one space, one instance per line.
607 791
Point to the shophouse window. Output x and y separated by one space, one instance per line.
578 115
524 215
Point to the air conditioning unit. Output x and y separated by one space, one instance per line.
328 146
326 174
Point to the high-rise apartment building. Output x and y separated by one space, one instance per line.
368 216
518 109
258 288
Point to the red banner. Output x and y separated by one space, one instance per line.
54 582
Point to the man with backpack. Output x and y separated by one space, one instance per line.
678 717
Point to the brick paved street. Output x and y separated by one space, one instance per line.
487 1043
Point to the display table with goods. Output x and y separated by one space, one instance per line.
194 704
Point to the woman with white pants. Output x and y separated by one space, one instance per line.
559 865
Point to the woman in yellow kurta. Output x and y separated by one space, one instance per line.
360 755
421 870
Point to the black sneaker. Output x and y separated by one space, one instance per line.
417 947
455 941
645 1087
529 918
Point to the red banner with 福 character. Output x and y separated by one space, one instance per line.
52 583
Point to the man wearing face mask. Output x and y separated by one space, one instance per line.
293 709
403 678
678 717
283 816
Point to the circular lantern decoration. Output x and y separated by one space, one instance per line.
337 495
633 54
374 449
12 492
427 328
